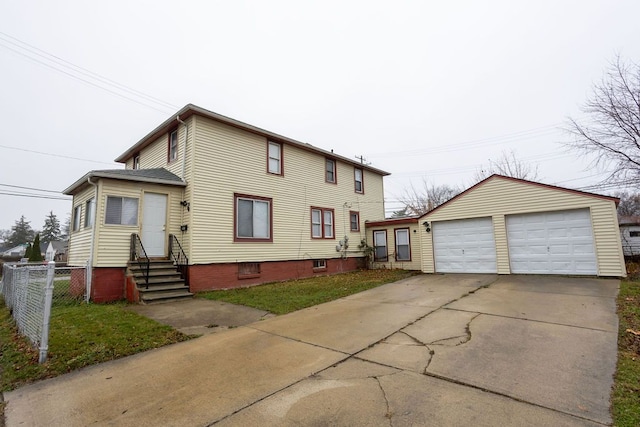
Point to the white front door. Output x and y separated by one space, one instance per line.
552 243
154 218
464 246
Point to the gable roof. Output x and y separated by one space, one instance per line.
523 181
190 109
153 176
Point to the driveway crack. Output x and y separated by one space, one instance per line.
389 413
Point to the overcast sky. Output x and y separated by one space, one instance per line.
422 89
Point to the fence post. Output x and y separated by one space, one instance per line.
48 297
88 275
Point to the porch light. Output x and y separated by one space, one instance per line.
427 226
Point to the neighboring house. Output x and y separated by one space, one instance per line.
630 235
15 252
54 251
507 225
245 205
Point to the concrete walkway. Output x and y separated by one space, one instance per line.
429 350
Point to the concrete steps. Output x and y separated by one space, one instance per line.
165 283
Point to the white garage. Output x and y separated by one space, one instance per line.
509 225
464 246
559 242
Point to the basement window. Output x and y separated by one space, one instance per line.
248 270
319 264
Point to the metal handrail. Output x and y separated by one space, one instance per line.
138 254
179 257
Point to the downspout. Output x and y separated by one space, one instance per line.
184 149
93 237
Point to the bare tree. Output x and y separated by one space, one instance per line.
508 165
418 201
629 203
611 132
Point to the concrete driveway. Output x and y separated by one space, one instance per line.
429 350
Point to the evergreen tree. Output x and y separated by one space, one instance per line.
36 255
21 233
66 228
27 252
51 229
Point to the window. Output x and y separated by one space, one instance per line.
321 223
253 218
380 245
354 221
403 251
275 158
357 173
121 211
173 145
89 213
77 212
248 269
319 264
136 161
634 233
330 171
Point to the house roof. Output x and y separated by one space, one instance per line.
154 176
628 220
524 181
190 109
392 221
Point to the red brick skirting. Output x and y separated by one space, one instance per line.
206 277
108 284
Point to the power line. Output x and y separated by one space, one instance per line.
54 155
35 196
30 188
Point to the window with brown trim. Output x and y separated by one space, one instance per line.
354 221
358 180
319 264
322 226
274 158
330 171
253 218
173 146
380 246
403 246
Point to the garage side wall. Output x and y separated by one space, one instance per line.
416 233
498 197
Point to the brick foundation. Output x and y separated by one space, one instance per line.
108 284
224 276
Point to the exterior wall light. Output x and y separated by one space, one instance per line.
427 226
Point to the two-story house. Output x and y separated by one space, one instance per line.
235 204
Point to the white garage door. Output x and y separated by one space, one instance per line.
552 243
464 246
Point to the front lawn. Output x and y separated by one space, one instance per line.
285 297
626 389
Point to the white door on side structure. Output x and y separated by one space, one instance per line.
154 218
464 246
552 243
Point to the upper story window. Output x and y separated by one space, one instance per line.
136 161
359 185
330 171
252 218
121 211
77 213
354 221
380 245
403 251
89 212
275 158
322 223
173 145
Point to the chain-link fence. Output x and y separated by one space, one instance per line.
30 291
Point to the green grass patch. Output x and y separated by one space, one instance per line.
626 389
80 335
285 297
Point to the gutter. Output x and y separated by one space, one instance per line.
184 149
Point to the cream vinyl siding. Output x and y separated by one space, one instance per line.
415 235
498 197
229 160
155 155
113 240
80 241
